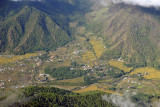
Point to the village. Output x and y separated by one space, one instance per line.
78 55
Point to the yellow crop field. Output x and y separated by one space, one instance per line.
88 56
94 88
120 65
74 80
66 87
98 47
7 59
148 73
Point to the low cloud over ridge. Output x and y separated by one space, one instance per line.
143 3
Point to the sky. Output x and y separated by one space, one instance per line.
143 3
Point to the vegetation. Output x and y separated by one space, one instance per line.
115 72
74 80
28 27
98 46
90 80
141 98
101 74
74 64
31 31
30 91
120 65
147 72
94 88
88 56
8 58
135 41
112 88
65 72
57 97
44 56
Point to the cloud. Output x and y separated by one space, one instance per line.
120 101
143 3
15 98
103 2
125 101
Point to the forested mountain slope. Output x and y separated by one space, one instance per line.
130 32
31 26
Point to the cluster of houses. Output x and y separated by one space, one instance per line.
2 84
76 52
21 67
120 59
19 87
132 92
141 74
134 82
131 81
5 68
39 63
33 58
37 59
9 56
87 67
83 87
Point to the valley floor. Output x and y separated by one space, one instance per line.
84 53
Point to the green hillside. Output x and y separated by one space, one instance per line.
32 26
129 32
49 96
31 30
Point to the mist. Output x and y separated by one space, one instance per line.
120 101
142 3
14 99
125 101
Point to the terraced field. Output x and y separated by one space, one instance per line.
94 88
148 73
88 56
64 87
120 65
74 80
98 46
8 59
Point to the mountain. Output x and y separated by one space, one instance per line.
32 26
129 32
91 45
